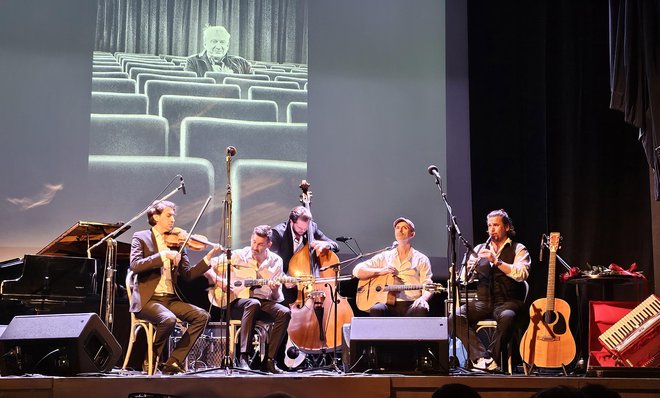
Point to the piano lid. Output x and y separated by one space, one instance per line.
80 237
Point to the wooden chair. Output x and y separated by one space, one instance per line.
136 325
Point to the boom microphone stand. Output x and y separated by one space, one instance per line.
107 306
454 231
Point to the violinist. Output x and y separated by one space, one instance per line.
156 268
408 266
291 236
260 301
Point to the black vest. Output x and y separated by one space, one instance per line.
494 285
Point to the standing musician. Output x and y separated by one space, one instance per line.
501 266
291 236
156 269
407 265
250 303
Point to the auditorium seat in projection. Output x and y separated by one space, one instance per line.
136 135
119 187
245 84
284 78
176 59
208 138
120 55
157 88
296 112
175 108
219 77
133 68
190 77
113 85
119 103
116 75
281 96
106 68
263 192
135 72
274 73
143 62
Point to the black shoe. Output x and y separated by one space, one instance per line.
243 362
171 368
271 367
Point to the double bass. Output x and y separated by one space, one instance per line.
314 326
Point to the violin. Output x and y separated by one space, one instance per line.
177 236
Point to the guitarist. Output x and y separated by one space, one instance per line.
406 265
256 262
501 266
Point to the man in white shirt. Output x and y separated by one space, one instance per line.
501 266
400 265
251 300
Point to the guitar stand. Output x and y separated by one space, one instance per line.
529 368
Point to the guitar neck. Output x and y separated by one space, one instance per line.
550 294
260 282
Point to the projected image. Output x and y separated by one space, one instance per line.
212 94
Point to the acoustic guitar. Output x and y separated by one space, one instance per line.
242 280
382 289
548 342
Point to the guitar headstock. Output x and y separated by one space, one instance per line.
306 195
553 241
434 287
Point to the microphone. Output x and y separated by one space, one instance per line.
343 239
231 151
433 170
541 249
183 185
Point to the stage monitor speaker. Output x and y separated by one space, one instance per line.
399 344
57 345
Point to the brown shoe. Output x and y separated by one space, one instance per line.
171 367
271 367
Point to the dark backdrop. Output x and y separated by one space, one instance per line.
544 143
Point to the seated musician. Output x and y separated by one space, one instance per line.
403 265
155 298
501 267
249 304
291 236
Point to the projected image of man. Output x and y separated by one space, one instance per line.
214 58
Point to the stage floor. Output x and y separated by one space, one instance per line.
318 384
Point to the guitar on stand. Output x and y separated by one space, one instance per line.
548 341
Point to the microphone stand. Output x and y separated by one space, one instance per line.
108 290
454 231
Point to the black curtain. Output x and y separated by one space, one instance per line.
263 30
544 143
635 72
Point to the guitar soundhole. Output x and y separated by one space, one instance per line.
557 321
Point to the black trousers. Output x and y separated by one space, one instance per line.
504 313
400 308
251 309
163 312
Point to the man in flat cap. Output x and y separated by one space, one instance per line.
401 265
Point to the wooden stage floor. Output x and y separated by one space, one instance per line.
219 384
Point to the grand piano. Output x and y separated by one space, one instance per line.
61 278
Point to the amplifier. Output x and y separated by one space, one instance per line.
209 349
